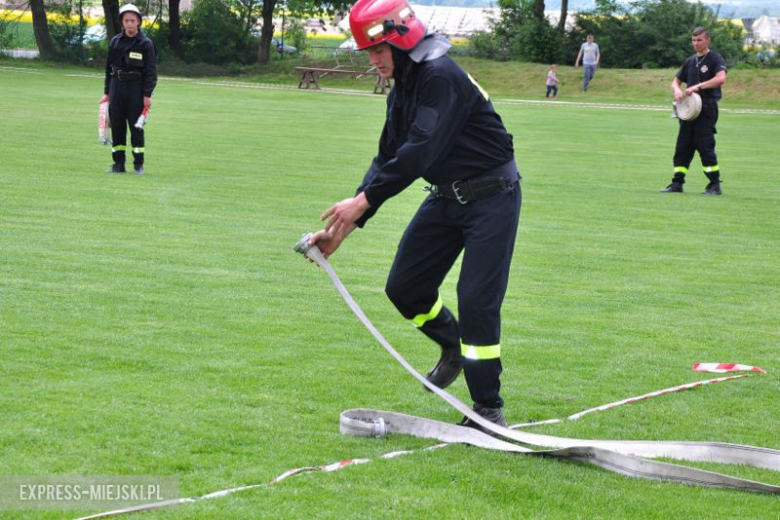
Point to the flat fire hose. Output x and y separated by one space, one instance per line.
631 458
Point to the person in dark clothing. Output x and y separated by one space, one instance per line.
131 75
703 73
440 126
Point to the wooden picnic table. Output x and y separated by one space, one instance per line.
310 77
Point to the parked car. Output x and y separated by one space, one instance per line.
347 45
92 34
280 48
276 43
95 33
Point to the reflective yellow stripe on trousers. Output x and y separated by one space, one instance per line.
480 352
421 319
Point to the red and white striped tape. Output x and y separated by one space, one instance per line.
722 368
654 394
327 468
630 400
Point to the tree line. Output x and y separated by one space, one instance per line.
642 34
214 31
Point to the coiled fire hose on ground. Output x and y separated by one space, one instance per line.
631 458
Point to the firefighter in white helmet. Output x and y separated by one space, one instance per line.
442 127
131 75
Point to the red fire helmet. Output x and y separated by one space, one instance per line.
385 21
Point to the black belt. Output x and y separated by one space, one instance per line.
123 75
469 190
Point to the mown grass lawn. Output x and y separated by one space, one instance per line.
162 325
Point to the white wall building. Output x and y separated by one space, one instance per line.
766 29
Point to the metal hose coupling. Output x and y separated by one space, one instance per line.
355 423
312 252
380 430
303 246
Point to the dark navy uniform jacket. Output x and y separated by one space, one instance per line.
440 126
135 54
697 70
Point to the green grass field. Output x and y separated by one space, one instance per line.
162 325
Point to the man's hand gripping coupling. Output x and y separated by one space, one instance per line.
341 218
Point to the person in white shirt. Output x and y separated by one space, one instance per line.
590 56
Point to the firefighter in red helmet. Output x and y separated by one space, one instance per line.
440 126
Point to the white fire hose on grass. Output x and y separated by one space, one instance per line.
626 457
631 458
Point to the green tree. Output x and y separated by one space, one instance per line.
295 8
523 34
213 33
652 33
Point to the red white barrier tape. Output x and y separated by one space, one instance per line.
722 368
104 124
654 394
632 400
698 367
327 468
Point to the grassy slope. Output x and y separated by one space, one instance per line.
744 88
161 324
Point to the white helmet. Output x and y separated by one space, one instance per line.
129 8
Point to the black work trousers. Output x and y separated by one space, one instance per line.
484 230
698 136
125 104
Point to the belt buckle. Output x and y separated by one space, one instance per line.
456 191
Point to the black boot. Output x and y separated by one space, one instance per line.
138 163
713 188
447 369
116 168
673 188
677 184
494 415
444 330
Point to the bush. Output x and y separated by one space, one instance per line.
761 57
537 41
6 33
68 38
212 33
524 35
295 35
483 44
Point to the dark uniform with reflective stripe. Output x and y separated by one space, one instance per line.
699 134
442 127
131 75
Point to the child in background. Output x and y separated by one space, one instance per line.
552 82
